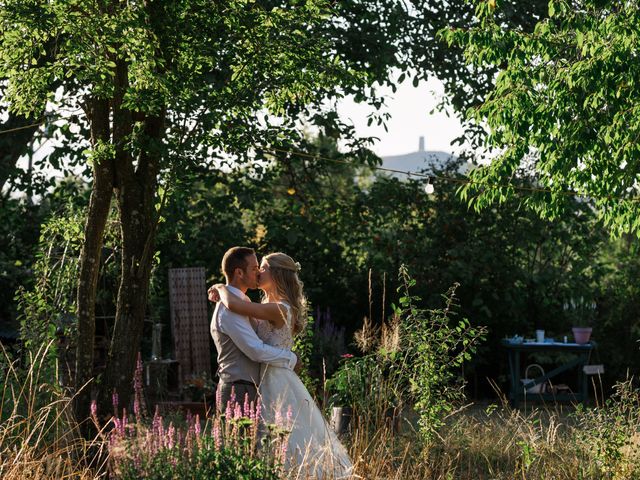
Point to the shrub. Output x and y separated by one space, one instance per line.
413 359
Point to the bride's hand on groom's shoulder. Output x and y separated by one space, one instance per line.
213 294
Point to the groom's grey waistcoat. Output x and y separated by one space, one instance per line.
233 365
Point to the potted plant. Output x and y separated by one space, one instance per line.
367 385
582 312
341 395
198 388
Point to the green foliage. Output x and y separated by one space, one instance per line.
19 224
47 308
435 348
516 271
203 462
608 435
49 305
618 302
414 360
372 385
303 348
564 105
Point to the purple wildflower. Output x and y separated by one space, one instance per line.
115 402
229 411
137 387
197 426
216 435
123 423
258 410
247 406
171 436
289 416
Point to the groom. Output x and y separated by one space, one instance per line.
240 351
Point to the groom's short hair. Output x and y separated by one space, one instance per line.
235 257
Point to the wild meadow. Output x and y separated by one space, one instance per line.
490 442
408 419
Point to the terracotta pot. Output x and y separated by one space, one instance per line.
582 334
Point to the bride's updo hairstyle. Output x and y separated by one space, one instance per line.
284 274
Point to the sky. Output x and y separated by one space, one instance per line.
410 119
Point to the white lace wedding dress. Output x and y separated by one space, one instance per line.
313 450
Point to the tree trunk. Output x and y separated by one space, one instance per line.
135 191
99 204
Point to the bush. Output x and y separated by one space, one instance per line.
411 360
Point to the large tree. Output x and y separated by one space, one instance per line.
565 105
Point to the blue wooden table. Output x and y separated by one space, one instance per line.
518 390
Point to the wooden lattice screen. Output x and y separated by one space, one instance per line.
189 323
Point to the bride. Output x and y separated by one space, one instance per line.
313 449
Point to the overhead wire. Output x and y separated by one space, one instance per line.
428 176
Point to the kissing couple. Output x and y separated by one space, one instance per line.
255 361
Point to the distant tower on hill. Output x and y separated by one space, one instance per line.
421 160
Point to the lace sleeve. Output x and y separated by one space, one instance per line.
287 317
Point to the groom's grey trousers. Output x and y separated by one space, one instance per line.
240 389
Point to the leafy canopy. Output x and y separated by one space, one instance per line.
565 104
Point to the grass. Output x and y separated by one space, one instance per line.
498 442
40 439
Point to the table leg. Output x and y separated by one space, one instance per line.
516 379
583 380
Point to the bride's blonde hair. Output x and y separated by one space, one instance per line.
284 272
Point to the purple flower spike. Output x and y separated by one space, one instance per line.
197 425
258 410
247 405
289 416
171 436
115 402
232 397
216 435
136 407
229 411
252 412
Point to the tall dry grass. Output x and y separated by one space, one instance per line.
40 439
497 442
39 436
